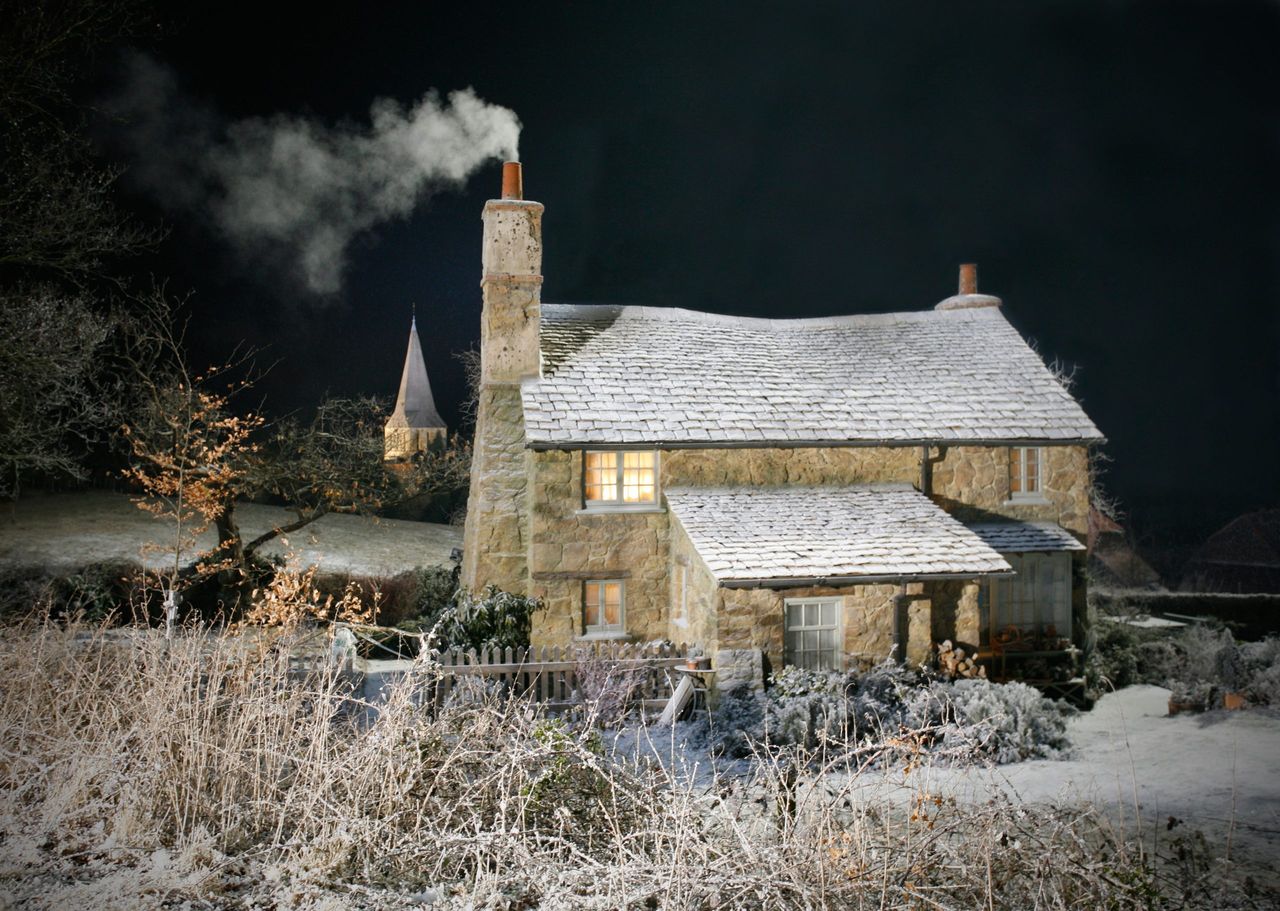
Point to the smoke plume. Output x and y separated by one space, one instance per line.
290 187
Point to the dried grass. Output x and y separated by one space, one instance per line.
141 773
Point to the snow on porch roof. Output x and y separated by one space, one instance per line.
1016 537
665 376
769 536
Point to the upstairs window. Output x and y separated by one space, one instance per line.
621 480
1024 473
603 604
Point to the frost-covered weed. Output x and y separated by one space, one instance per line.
205 772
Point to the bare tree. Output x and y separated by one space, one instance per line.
61 235
195 457
50 345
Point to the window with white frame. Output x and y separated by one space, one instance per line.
1024 473
811 633
1034 602
620 480
603 606
680 593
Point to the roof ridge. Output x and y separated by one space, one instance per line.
682 314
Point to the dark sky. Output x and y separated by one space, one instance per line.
1114 168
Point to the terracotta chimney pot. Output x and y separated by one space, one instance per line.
512 180
969 278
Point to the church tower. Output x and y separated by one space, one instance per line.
415 424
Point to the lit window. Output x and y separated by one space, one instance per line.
680 593
1035 602
621 479
603 607
812 634
1024 473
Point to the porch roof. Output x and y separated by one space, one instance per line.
1011 537
769 536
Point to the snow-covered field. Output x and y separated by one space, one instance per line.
68 531
1218 772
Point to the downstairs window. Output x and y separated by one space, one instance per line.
811 633
603 604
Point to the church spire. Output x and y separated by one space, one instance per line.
415 422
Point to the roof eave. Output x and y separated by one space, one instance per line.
565 445
834 581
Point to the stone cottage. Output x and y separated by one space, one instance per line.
815 492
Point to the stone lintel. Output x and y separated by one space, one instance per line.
581 576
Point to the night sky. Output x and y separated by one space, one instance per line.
1112 166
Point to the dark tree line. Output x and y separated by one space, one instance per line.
93 361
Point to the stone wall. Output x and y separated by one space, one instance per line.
954 613
702 623
972 483
752 618
832 465
565 545
569 545
495 538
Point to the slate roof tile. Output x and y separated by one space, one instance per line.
1017 537
774 533
620 375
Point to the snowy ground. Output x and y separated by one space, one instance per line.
1217 772
67 531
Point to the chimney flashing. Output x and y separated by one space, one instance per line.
967 296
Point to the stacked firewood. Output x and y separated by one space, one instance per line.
953 663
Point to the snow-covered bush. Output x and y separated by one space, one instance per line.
959 721
1003 722
1202 662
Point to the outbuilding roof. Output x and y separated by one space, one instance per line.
665 376
776 535
1016 537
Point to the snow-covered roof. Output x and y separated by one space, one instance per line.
1016 537
653 376
768 535
415 406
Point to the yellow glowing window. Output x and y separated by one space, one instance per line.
602 606
621 478
1024 472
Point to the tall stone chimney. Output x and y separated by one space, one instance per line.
495 540
967 296
511 283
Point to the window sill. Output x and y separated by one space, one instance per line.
1026 501
604 637
616 510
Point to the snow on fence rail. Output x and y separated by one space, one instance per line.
561 677
557 677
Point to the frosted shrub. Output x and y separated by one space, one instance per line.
959 721
736 725
1201 663
1003 722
